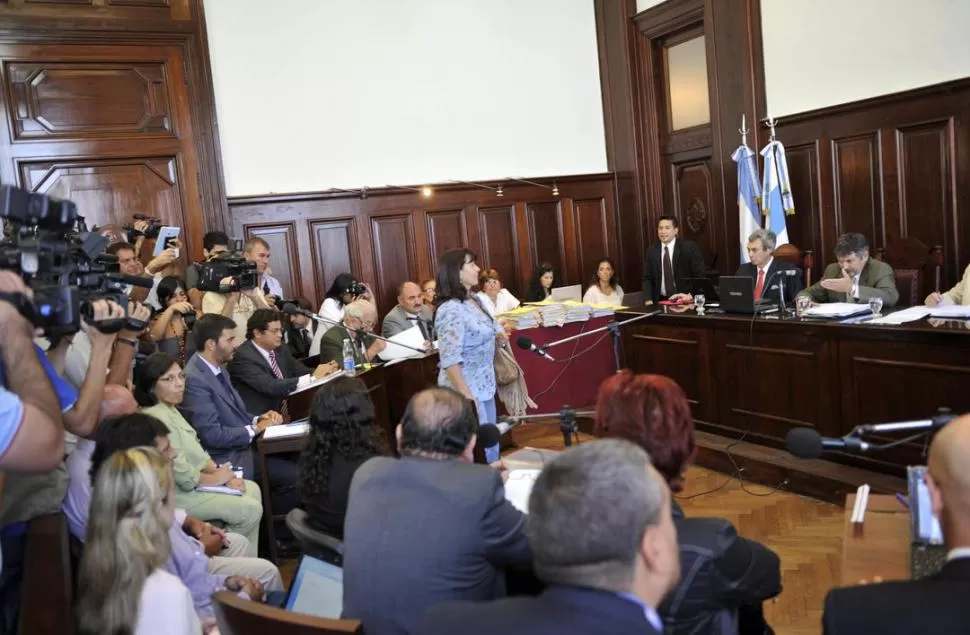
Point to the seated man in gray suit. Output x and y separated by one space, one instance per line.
855 277
431 526
604 540
409 312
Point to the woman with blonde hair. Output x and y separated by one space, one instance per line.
123 589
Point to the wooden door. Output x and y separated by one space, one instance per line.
106 126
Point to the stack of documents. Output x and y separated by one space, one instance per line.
576 311
896 318
295 429
553 314
523 317
411 339
604 310
836 310
950 311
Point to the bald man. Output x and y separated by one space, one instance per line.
360 318
431 526
935 604
409 312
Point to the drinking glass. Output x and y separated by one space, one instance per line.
699 301
875 305
802 303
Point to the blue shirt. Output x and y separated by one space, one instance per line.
466 336
66 394
648 611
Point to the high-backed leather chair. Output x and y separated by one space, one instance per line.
804 260
237 616
917 268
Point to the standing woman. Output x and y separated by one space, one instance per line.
466 336
123 588
606 288
540 288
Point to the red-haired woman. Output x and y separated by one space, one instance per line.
724 577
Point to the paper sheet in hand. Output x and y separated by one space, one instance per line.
411 337
518 488
295 429
951 311
318 382
836 309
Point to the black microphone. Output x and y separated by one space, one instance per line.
488 435
525 343
806 443
137 281
291 309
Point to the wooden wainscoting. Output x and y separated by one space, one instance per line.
396 235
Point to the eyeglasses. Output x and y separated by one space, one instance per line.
172 378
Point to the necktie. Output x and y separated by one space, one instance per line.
760 286
279 375
669 287
307 341
266 287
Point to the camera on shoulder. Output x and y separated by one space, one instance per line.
231 265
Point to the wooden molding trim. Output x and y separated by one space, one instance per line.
669 17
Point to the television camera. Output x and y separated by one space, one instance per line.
232 265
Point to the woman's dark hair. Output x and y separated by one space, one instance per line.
342 423
448 275
147 374
167 287
614 280
341 285
536 291
124 432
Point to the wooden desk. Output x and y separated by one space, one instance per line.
882 549
766 377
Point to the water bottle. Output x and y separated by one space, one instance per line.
349 359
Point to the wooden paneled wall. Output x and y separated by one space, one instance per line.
397 235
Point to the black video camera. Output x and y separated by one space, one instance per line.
154 226
232 265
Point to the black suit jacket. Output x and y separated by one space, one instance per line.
294 341
936 604
723 577
254 380
687 262
559 610
772 290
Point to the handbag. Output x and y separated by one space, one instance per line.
506 368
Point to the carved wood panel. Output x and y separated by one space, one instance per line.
547 238
283 255
76 100
926 181
393 240
803 172
496 226
858 204
593 234
446 230
334 246
692 191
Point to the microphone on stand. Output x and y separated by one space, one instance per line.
525 343
806 443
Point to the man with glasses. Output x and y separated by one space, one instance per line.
360 318
263 371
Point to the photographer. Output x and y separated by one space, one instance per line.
128 264
344 290
171 328
165 264
214 245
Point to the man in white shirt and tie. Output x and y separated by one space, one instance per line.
855 277
670 263
409 312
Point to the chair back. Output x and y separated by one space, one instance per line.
47 602
237 616
804 260
313 541
916 268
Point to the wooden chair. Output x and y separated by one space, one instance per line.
46 607
916 268
313 541
237 616
804 260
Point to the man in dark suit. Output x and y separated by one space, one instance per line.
766 272
263 371
298 331
360 318
855 277
225 426
431 526
670 263
604 541
936 604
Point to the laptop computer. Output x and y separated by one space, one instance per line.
927 554
705 287
317 589
737 296
572 292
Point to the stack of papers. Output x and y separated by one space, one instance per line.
951 311
518 488
411 339
836 310
911 314
553 314
295 429
523 317
604 310
576 311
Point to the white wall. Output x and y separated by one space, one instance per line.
643 5
312 94
820 53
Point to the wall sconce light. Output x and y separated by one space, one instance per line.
553 187
498 192
426 191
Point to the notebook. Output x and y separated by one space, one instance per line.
317 589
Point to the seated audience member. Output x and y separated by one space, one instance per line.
263 371
122 585
959 294
360 318
855 277
540 287
171 328
298 332
204 557
763 269
606 287
226 428
408 313
214 245
601 530
936 604
159 387
343 435
428 292
725 577
429 527
494 297
240 305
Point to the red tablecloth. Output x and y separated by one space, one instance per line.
580 367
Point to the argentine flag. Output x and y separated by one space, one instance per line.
749 195
776 189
